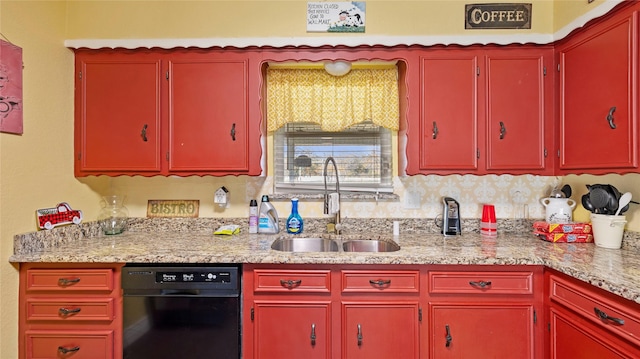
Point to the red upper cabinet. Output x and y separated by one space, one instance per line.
519 111
483 110
448 123
208 114
155 112
598 125
117 112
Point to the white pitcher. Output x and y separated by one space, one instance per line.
559 210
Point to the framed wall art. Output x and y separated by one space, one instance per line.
10 88
336 16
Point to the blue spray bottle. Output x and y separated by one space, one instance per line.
294 222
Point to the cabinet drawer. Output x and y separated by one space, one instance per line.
616 317
381 281
316 281
89 344
72 310
488 283
71 280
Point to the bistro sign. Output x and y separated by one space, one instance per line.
497 16
187 208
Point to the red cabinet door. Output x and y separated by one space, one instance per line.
380 330
118 112
208 114
291 330
574 337
598 73
515 96
481 331
449 112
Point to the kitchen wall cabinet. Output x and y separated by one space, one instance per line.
178 112
70 311
598 96
483 110
449 120
485 313
329 312
519 110
587 322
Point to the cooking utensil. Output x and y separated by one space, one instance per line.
623 201
566 189
599 197
556 193
586 203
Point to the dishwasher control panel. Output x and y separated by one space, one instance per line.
137 278
210 276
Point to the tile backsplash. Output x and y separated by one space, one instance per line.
421 196
414 196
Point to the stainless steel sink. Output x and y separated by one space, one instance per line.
369 245
305 244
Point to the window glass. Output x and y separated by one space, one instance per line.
362 153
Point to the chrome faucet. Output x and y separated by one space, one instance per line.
326 194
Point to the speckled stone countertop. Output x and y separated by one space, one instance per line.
193 241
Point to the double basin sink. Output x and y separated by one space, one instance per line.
319 244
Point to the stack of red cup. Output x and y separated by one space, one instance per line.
488 225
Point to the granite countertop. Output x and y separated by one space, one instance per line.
614 270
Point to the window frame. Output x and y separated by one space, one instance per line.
282 160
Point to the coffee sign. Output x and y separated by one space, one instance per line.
497 16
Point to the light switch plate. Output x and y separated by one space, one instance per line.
412 200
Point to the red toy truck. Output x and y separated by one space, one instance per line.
61 214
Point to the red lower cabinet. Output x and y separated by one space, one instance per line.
573 337
284 329
70 311
482 331
587 322
380 330
322 311
485 312
46 344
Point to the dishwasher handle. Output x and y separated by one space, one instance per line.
180 292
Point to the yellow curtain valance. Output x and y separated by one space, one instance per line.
334 103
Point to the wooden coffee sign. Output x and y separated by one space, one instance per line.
497 16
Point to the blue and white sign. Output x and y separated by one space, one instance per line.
332 16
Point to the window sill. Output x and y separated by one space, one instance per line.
346 196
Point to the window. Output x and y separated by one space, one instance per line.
362 153
315 115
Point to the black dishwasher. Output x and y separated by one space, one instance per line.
175 311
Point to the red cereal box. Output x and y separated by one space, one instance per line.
565 237
576 228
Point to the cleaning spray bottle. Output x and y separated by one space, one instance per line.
294 222
268 217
